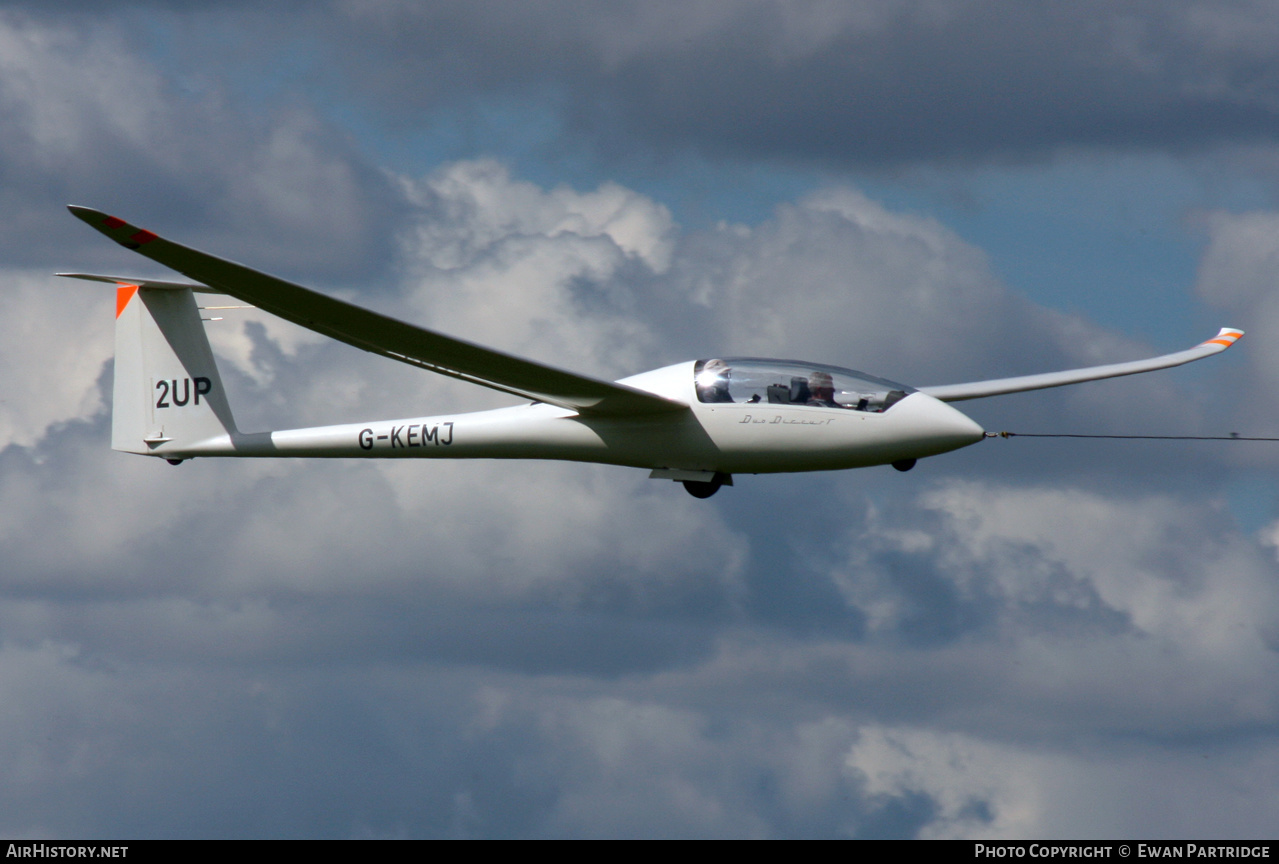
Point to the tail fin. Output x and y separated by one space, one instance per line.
168 394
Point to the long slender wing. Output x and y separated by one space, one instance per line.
977 389
382 335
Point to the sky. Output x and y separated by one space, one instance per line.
1028 638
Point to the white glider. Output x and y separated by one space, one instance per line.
697 422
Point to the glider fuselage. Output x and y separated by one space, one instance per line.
749 438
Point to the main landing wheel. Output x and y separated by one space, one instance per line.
702 488
707 488
904 464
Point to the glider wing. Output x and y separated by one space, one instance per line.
999 386
380 334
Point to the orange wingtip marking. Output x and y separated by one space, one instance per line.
113 222
143 236
123 294
1225 338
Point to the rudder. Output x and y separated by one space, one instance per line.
167 393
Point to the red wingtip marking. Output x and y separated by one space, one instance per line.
113 222
142 237
123 294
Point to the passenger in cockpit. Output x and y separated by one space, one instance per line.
821 390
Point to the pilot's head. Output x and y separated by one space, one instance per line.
712 382
714 374
822 386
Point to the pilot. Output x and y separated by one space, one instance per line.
712 382
821 390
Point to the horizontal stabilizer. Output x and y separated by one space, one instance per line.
142 283
997 387
381 334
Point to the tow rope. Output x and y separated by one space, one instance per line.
1233 436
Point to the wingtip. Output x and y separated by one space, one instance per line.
95 218
1226 337
81 212
128 236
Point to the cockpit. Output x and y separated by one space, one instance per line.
751 381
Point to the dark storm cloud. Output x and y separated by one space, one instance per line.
855 84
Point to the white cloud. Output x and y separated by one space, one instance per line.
979 790
999 791
1239 272
539 273
476 204
63 93
1138 611
1239 267
55 336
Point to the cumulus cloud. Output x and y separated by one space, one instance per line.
557 275
978 789
1237 272
59 383
1095 576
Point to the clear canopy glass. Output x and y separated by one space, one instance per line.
750 381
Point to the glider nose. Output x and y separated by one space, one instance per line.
937 427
